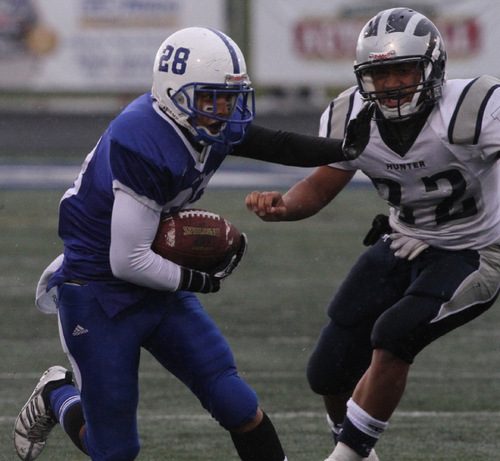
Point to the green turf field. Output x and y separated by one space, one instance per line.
271 311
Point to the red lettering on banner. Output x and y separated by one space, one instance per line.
461 38
326 38
335 38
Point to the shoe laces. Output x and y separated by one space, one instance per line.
43 423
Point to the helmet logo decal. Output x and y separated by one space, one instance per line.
237 79
398 20
374 56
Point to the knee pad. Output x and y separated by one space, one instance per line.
233 403
339 359
386 336
327 378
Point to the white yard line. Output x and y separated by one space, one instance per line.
13 376
292 415
62 176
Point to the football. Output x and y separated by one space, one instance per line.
196 239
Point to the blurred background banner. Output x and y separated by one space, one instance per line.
109 45
313 43
96 45
91 45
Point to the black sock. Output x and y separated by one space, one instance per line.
73 423
259 444
360 442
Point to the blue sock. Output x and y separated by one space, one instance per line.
61 399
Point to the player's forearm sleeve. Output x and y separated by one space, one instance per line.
290 149
133 228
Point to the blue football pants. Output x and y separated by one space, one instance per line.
105 353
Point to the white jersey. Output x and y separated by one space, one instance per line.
446 188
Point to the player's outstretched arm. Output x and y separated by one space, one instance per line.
294 149
303 200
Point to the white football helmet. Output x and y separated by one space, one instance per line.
395 36
199 59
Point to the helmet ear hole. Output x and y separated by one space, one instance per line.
179 98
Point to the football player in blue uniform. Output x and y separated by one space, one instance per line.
115 296
433 157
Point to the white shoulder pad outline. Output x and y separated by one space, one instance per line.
466 121
339 113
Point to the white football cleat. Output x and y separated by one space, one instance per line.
344 453
36 420
373 456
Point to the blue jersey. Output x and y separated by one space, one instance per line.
147 153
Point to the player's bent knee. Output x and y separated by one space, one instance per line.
234 403
317 386
401 344
401 347
315 377
333 381
326 386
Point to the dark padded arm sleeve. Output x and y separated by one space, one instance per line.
290 149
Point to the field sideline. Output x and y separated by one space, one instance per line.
271 310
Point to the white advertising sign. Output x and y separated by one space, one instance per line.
109 45
313 42
91 45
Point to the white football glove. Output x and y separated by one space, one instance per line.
46 301
407 247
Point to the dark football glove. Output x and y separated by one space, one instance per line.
204 282
198 282
380 226
358 132
232 261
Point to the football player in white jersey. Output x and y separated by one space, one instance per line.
115 296
433 157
